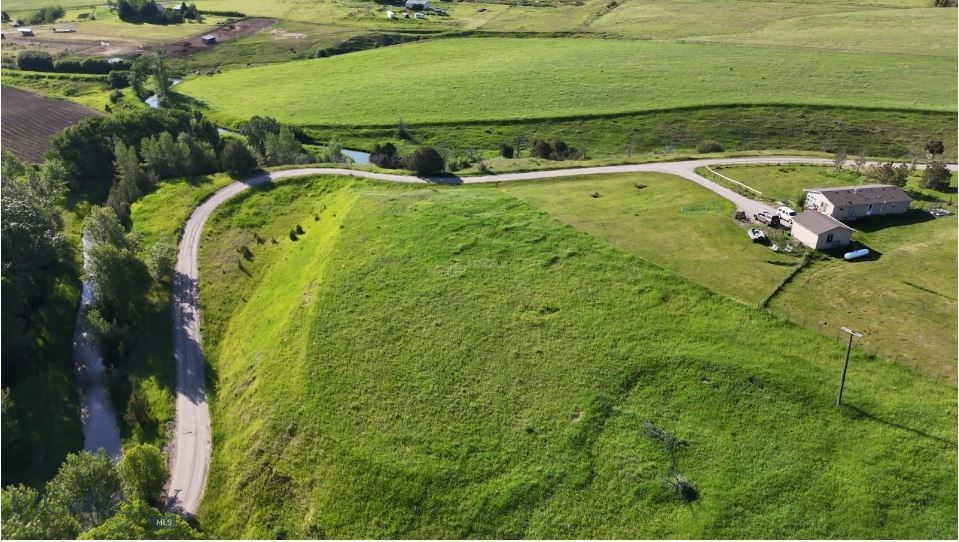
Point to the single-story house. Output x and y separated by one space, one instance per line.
820 231
391 15
25 31
417 4
208 39
855 202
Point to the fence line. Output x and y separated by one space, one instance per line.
751 189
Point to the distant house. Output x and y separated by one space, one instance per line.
855 202
419 16
391 15
820 231
25 31
417 5
208 39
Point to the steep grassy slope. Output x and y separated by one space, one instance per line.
441 362
499 78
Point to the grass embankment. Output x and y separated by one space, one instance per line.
450 362
546 81
160 215
738 128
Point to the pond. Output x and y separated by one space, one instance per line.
358 157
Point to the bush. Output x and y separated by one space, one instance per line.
709 146
115 96
425 161
935 148
506 150
541 149
385 156
887 173
97 66
67 66
38 61
118 79
143 472
236 158
936 176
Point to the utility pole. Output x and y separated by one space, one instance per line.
842 379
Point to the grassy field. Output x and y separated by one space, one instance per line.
903 298
442 362
894 31
562 78
672 222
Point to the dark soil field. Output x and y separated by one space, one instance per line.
29 121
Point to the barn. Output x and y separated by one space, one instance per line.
820 231
855 202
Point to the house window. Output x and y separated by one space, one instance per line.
822 207
829 238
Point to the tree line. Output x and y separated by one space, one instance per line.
148 11
91 499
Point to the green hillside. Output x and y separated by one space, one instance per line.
430 362
501 78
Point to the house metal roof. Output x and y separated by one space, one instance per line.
863 194
818 223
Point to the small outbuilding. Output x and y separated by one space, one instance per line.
855 202
391 15
820 231
25 31
208 39
417 5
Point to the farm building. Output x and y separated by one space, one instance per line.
820 231
417 4
25 31
391 15
208 39
855 202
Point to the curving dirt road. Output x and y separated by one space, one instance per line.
191 446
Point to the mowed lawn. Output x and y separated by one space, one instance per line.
904 300
504 78
444 362
672 222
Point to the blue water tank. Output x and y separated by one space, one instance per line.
856 254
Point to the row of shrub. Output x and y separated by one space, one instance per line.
42 61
